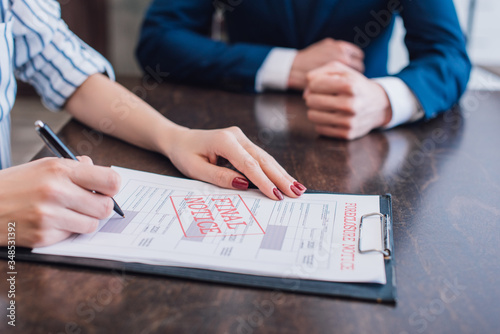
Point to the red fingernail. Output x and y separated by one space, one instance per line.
278 194
295 190
300 186
240 183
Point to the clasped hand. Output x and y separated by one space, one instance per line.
342 102
49 199
345 104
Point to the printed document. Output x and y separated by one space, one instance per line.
184 223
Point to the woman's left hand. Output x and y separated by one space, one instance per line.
195 154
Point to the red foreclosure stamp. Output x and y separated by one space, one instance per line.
215 216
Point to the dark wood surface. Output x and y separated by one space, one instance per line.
444 176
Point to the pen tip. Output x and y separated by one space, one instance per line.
123 216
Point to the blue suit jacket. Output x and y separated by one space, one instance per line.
175 37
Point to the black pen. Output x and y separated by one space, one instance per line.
62 151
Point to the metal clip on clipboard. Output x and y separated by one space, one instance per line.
385 228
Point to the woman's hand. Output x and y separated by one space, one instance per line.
51 198
195 153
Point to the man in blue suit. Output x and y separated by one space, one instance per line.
334 50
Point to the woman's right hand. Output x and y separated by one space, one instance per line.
51 198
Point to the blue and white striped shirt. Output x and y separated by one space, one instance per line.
37 47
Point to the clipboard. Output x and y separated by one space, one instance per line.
381 293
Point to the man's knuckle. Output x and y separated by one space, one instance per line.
349 105
348 87
343 57
329 41
319 99
335 64
343 47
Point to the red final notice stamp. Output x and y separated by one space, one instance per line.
215 216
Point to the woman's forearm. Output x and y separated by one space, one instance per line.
110 108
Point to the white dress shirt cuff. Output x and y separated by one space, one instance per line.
404 104
275 70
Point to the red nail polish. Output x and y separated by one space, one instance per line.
278 194
295 190
300 186
240 183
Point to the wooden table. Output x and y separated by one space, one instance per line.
444 176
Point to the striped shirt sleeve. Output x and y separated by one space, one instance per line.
48 55
5 158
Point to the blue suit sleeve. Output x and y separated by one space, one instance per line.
175 39
439 67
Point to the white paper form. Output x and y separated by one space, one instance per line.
178 222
